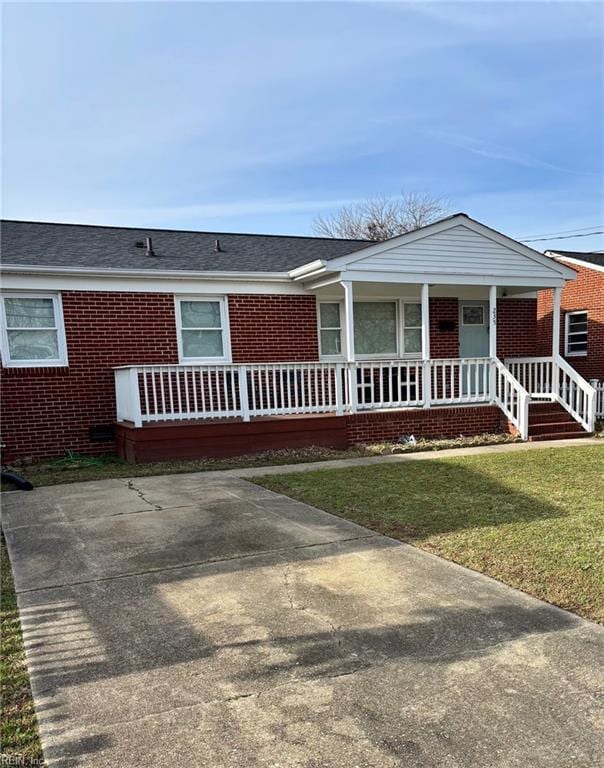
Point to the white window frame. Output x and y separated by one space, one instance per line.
224 327
61 361
400 315
567 333
473 306
342 355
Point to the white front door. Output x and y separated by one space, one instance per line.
473 340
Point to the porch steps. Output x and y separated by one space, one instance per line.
550 421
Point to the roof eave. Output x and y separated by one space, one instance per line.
33 269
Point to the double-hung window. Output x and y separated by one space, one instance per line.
575 337
330 328
382 329
203 333
33 334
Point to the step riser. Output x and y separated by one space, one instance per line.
562 436
552 418
550 429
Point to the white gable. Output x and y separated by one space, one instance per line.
458 250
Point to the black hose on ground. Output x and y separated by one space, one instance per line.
19 482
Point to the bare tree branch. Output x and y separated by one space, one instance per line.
381 217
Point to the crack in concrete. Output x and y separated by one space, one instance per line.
198 563
320 617
130 485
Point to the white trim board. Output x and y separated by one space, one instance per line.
26 281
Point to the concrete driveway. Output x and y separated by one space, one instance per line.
198 620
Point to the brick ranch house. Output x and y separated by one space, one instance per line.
163 344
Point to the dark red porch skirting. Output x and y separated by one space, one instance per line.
230 437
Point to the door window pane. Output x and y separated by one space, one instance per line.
375 327
472 315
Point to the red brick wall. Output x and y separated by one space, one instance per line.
423 422
516 328
586 292
273 328
444 343
47 411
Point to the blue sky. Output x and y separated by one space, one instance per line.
256 117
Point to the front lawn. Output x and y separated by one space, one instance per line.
18 727
532 519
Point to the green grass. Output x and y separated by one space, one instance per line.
77 468
531 519
18 726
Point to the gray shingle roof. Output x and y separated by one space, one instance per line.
590 257
79 245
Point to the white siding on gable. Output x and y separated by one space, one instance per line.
458 250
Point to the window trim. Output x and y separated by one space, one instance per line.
343 346
473 306
400 327
567 333
59 362
224 327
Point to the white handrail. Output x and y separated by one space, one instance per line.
552 378
512 398
576 395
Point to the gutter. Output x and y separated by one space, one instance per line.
26 269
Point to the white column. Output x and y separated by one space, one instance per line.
556 322
492 341
426 369
351 373
348 319
493 321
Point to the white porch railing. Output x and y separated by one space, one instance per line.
599 387
157 393
552 378
511 397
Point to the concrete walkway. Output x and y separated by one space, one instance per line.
203 621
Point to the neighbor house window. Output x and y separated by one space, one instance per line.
203 329
32 331
330 328
575 341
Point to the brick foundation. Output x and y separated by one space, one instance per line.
424 422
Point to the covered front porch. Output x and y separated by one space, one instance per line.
385 345
354 383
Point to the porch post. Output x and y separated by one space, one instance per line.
556 323
493 321
426 370
556 343
349 335
348 319
492 341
